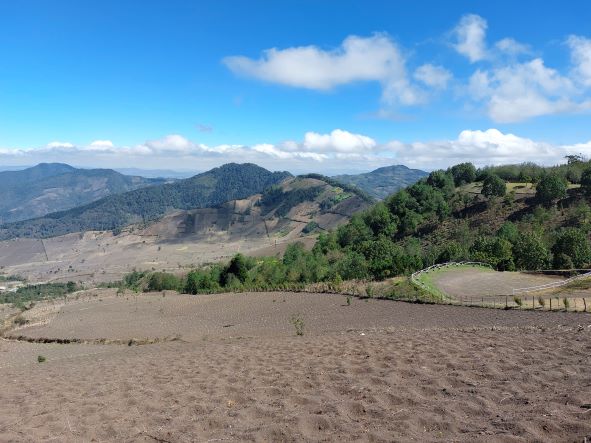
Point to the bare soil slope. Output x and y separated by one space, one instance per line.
372 371
181 239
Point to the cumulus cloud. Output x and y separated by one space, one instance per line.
436 77
59 145
335 152
512 47
523 90
358 59
581 56
470 35
338 141
483 148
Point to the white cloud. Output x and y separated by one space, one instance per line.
434 76
512 47
482 148
523 90
581 56
470 36
335 152
338 141
358 59
101 145
59 145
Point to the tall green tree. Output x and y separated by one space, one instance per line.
551 188
530 252
573 243
586 181
494 186
463 173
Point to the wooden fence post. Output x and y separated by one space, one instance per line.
584 304
550 302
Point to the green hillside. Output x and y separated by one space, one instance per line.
51 187
228 182
383 181
458 214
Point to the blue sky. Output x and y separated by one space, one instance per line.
349 85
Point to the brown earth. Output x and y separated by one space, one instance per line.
480 286
182 239
475 282
372 371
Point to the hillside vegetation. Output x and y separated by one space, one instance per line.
458 214
228 182
383 181
51 187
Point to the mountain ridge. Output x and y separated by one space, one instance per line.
211 188
383 181
51 187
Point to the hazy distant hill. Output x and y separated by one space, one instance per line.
383 181
51 187
211 188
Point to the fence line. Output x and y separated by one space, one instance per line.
557 284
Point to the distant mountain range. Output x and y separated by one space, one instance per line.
228 182
51 187
56 199
383 181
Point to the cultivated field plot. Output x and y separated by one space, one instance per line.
373 370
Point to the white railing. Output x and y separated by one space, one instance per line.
552 285
416 281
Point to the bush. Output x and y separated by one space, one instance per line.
201 281
551 188
298 323
494 186
573 242
530 252
161 281
463 173
586 181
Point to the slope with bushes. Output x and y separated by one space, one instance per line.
383 181
442 218
51 187
228 182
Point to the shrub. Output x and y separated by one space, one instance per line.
566 303
494 186
541 301
530 252
573 242
518 301
463 173
41 358
551 188
161 281
586 181
298 323
19 320
310 227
